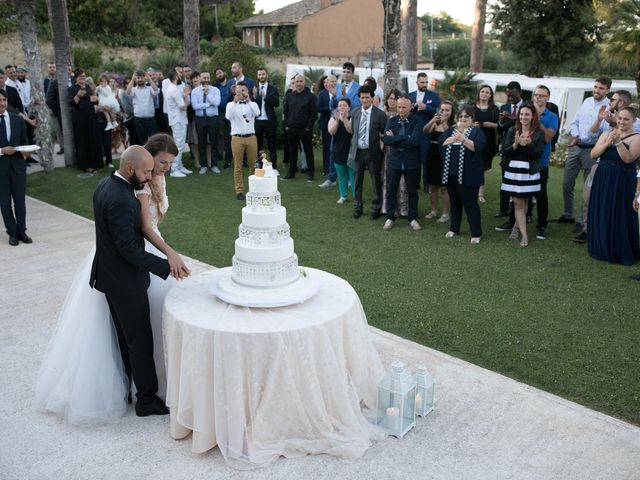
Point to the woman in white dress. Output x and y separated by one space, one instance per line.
82 377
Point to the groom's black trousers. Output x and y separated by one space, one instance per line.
130 316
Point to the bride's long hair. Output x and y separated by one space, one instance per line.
156 144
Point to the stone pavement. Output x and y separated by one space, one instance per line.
485 426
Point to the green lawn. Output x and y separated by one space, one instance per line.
547 315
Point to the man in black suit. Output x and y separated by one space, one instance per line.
121 269
13 173
268 98
403 135
367 123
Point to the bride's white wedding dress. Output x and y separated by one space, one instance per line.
82 376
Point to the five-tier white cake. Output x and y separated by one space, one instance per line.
264 255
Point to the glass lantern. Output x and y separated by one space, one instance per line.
424 391
396 410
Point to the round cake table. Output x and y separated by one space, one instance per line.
260 383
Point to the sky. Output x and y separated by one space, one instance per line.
461 10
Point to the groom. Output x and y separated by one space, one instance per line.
121 269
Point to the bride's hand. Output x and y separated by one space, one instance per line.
178 268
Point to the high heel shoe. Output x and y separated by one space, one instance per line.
524 242
514 233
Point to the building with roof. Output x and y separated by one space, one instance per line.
323 28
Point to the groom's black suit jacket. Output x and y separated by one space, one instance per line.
121 265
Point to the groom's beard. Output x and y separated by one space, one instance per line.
136 182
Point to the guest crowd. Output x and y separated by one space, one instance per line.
405 141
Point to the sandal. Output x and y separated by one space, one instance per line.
514 233
524 242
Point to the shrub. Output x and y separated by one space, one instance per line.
233 50
164 61
119 65
89 58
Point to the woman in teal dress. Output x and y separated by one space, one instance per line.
613 224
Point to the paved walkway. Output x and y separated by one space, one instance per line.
486 426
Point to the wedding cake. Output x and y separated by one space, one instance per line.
264 255
264 270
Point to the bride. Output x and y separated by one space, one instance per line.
82 376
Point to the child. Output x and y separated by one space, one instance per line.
107 99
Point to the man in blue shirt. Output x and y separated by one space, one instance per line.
549 125
582 142
348 87
224 139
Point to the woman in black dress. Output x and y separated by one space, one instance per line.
85 129
438 124
486 117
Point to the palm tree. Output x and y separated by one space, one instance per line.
61 39
392 43
621 40
191 36
409 34
458 86
29 31
477 36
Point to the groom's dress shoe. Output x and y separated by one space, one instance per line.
24 238
153 407
13 241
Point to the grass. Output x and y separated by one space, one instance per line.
548 315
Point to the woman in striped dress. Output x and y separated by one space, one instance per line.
521 150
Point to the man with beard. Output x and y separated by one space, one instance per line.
224 139
14 104
25 86
144 111
268 98
121 269
425 105
237 72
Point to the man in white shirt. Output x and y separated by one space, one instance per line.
580 145
144 112
242 112
178 100
205 99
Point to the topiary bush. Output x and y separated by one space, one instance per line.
233 50
119 65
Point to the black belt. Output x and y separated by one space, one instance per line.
584 145
245 135
206 117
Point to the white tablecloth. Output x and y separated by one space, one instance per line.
261 383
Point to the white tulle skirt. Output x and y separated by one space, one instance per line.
82 377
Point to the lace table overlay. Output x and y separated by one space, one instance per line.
261 383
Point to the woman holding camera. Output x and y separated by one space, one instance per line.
83 102
436 126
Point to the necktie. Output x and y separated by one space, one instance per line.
513 109
204 100
3 130
401 131
363 130
262 102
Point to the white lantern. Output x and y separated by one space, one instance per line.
396 410
424 391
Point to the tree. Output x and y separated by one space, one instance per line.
61 40
191 29
29 33
621 35
443 24
392 43
410 34
477 36
545 34
233 50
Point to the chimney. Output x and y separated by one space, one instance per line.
325 4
